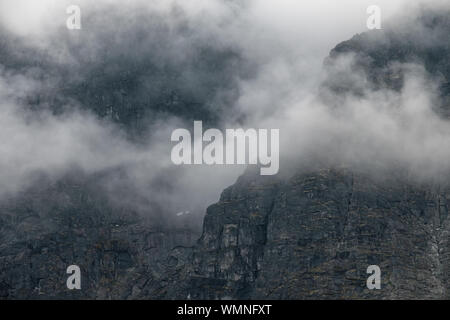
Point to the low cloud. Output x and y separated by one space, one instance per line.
252 66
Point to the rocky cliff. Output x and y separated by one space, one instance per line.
314 235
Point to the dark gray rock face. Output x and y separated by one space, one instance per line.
313 237
121 254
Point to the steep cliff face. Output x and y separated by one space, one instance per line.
57 224
314 236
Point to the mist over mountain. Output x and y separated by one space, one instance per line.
85 125
313 235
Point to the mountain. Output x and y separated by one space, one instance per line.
311 235
314 235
